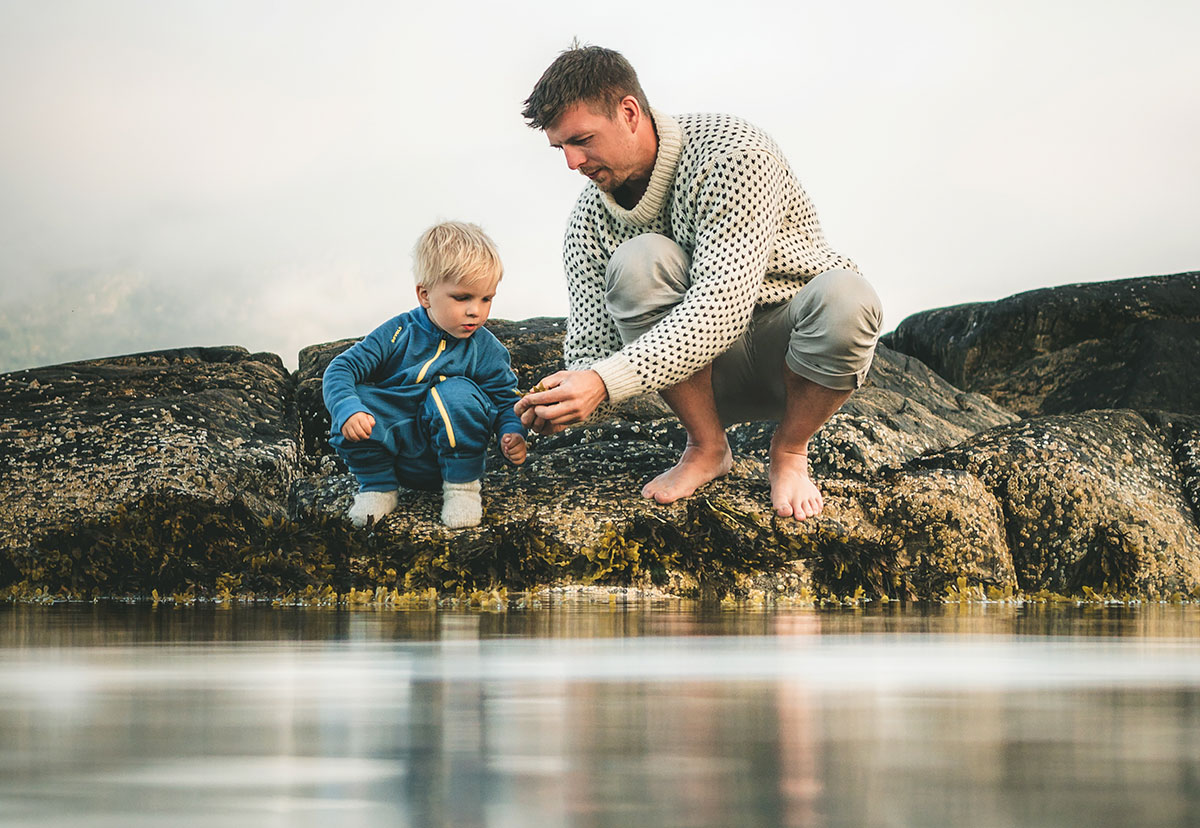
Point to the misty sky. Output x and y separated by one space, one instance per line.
198 172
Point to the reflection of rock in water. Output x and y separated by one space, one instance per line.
204 471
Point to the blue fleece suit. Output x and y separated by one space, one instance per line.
436 401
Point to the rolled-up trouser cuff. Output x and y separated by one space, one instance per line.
839 382
462 469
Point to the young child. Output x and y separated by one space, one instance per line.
417 401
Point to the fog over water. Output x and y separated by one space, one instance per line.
255 173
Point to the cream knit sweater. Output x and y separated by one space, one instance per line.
723 191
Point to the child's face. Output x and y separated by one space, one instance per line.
458 308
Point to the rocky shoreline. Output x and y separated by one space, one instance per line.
1064 460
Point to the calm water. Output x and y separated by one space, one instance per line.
591 715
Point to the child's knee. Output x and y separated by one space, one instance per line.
458 414
460 391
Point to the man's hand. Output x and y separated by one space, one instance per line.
513 446
358 426
570 397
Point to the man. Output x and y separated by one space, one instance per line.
696 268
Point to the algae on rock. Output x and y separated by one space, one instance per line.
205 472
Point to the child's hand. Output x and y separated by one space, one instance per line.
513 446
358 426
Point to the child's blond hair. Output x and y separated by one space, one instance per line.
455 251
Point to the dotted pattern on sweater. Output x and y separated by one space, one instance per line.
735 206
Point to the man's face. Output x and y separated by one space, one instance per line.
600 147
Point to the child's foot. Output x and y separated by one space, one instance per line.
461 504
372 505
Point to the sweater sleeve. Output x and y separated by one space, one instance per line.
501 385
739 201
349 369
591 335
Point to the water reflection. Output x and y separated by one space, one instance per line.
597 716
106 624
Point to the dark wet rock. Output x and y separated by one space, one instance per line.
535 346
160 445
1181 432
897 522
206 472
1053 504
314 418
1097 499
1131 343
903 410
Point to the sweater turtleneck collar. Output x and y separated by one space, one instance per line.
670 144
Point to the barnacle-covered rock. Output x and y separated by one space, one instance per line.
192 448
1095 499
206 472
575 512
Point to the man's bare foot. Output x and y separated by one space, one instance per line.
696 467
793 493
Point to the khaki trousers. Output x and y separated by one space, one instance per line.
826 333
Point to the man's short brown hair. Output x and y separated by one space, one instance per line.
593 75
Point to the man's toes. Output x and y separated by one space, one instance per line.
656 491
655 488
668 493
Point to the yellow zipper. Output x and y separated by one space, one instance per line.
445 415
425 367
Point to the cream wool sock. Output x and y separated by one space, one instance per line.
372 504
461 504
